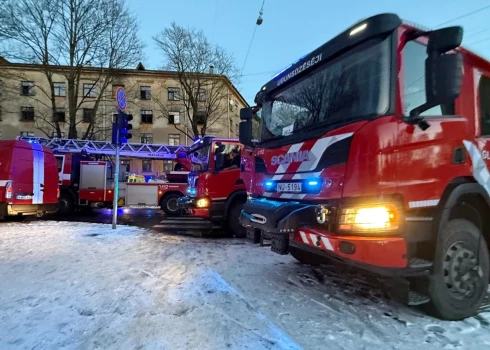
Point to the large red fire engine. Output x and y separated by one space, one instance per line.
86 176
374 151
216 192
28 184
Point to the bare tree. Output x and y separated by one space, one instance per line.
82 41
202 71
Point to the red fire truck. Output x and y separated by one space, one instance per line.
86 176
215 192
374 151
28 184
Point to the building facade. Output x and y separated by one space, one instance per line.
154 98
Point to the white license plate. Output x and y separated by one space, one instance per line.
289 187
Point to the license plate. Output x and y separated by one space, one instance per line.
289 187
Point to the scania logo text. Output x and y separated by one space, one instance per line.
291 157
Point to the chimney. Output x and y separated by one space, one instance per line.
211 69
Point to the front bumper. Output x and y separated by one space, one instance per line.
187 205
276 217
294 224
30 209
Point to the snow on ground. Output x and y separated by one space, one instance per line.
66 285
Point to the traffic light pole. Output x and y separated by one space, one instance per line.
116 186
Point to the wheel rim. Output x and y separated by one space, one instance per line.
462 274
172 204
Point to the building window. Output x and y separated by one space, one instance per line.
1 112
27 114
200 117
230 123
414 55
88 115
59 115
173 94
146 116
485 105
146 138
89 90
174 139
174 118
54 134
27 88
114 89
201 95
145 92
236 129
168 166
59 89
146 165
27 134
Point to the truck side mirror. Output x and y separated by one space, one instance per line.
443 71
245 132
246 113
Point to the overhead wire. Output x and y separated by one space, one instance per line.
258 23
463 16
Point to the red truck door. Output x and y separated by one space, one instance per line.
222 184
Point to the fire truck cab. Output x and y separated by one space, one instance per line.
215 191
374 150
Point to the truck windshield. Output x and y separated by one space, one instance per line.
353 86
200 159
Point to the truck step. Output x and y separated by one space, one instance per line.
415 299
253 235
418 263
188 226
279 244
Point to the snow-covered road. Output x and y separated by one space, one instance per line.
66 285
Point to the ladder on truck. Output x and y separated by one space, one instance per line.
138 150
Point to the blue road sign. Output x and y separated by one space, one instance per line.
121 99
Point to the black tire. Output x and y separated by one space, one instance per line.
459 243
306 257
169 204
237 230
66 205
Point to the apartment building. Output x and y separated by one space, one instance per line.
155 99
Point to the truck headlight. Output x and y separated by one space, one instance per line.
377 218
202 203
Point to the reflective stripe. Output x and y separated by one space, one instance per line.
38 173
3 183
423 204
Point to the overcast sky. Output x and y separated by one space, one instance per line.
292 28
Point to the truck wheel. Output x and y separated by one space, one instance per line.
459 281
234 226
305 257
169 204
66 205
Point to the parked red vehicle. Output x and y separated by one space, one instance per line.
86 175
28 179
215 190
374 151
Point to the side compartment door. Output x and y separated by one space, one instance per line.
480 152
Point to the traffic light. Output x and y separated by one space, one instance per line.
121 127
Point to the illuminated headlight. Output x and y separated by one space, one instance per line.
202 203
379 218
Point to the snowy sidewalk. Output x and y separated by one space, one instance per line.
66 285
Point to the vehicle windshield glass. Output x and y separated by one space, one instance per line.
353 86
200 159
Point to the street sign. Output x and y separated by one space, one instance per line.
121 99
